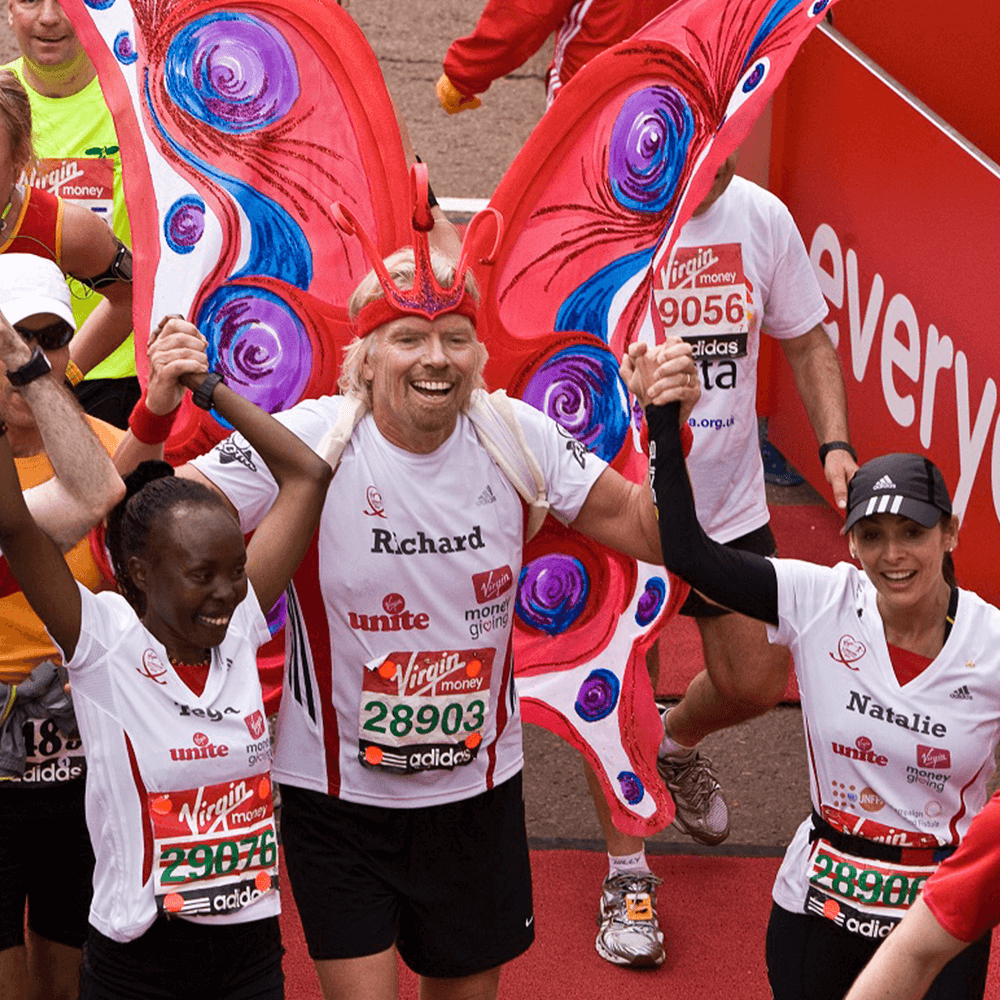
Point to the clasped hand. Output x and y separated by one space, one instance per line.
661 374
176 348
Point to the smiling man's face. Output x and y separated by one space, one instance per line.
422 374
44 32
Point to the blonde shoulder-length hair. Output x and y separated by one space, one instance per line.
402 270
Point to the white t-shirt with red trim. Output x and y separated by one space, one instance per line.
399 677
905 764
178 788
739 267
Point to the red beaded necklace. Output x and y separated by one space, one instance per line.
194 675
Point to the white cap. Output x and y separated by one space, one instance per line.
30 285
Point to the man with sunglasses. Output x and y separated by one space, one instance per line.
69 484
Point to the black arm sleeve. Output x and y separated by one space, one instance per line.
741 581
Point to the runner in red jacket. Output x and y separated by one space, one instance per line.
509 32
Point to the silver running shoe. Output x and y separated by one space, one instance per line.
629 930
701 810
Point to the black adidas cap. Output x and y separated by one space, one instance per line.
908 485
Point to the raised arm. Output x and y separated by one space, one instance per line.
506 35
85 486
281 539
89 250
619 513
171 355
741 581
33 557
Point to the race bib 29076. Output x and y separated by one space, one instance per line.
424 711
215 847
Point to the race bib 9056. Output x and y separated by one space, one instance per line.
702 294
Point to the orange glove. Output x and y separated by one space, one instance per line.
451 100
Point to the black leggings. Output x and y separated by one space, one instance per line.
182 960
810 958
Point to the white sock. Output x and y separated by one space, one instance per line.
668 745
631 864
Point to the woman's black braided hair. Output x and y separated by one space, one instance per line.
151 492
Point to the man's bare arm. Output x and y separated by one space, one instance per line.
89 248
820 382
908 960
85 486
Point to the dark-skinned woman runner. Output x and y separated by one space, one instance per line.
169 705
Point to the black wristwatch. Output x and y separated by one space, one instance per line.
35 368
202 396
825 449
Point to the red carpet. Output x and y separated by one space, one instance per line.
803 532
713 912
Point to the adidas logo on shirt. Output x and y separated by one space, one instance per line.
962 693
487 496
885 483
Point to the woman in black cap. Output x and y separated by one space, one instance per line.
899 674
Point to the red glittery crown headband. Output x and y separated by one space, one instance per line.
427 297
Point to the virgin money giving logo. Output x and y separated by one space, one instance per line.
933 758
849 651
255 723
491 585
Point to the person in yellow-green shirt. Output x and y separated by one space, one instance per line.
80 162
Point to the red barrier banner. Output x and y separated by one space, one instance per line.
901 220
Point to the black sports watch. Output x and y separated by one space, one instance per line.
825 449
202 396
35 368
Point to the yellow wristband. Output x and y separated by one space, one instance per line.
73 374
11 698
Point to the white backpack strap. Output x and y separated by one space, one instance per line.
334 441
501 435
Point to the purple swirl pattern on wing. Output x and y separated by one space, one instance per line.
598 696
651 601
258 344
232 71
184 223
649 147
631 786
580 389
123 49
552 592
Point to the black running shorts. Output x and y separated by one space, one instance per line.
760 541
185 960
45 860
812 958
450 884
